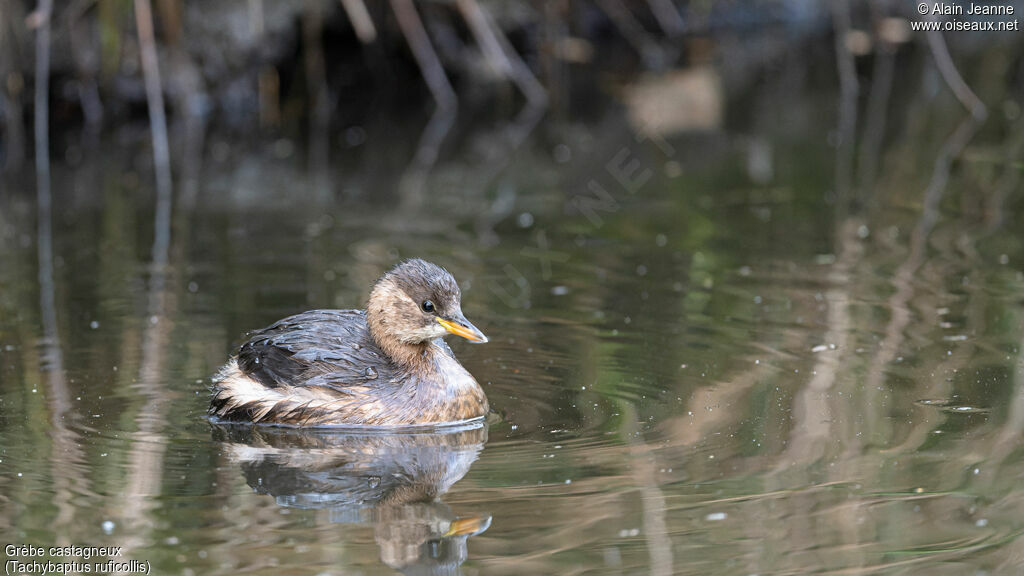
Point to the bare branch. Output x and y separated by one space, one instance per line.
430 65
952 77
642 41
500 53
668 17
359 16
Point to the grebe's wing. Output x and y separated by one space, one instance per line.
300 350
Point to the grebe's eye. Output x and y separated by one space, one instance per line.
428 306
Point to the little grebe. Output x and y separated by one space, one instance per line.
385 366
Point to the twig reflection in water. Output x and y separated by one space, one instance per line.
149 441
392 481
66 456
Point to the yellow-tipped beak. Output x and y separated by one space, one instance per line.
463 328
470 526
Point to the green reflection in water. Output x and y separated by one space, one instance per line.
722 375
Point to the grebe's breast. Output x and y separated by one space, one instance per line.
454 387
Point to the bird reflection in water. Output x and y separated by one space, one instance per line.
392 481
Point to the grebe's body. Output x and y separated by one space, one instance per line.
387 366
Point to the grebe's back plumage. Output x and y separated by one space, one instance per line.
386 366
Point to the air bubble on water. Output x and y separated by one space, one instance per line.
562 153
355 136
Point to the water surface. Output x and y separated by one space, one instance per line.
720 365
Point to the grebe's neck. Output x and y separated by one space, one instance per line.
409 356
385 322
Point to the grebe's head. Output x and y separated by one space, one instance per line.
415 302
